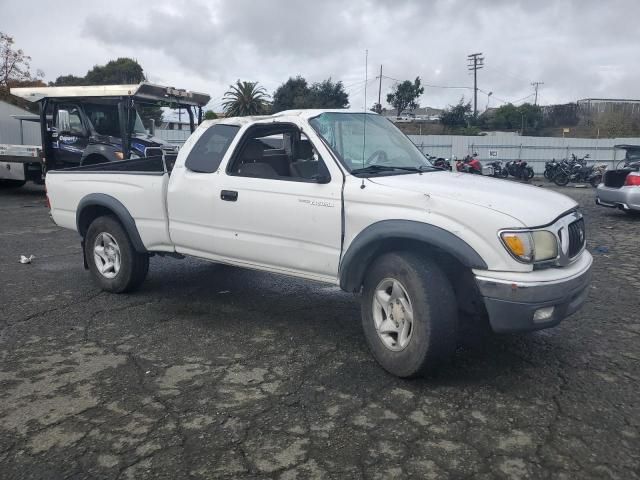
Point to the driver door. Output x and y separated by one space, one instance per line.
71 136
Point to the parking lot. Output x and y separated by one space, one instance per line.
215 372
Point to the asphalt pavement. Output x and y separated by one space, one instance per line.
216 372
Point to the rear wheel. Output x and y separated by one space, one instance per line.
528 173
115 264
409 314
561 179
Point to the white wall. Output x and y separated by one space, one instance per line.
535 150
10 127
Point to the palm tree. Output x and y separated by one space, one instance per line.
245 98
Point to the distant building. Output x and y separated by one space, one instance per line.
173 125
12 130
591 106
424 114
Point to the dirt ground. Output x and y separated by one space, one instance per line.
216 372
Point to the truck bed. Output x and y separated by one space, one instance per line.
140 185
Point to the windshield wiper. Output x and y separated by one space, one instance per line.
390 168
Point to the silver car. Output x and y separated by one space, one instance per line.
621 187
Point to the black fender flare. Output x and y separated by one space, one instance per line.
116 208
363 248
106 151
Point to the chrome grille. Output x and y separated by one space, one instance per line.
577 237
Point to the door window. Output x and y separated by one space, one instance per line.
69 121
279 152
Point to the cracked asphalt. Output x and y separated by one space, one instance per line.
216 372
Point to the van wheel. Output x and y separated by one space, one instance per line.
115 264
409 314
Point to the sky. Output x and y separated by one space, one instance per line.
579 49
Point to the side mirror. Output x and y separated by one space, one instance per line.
321 178
63 123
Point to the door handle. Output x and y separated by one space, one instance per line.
229 195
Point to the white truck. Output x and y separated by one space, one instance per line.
342 197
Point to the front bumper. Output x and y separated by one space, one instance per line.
625 198
512 300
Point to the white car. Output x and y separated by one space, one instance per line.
341 197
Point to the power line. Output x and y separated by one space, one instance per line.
476 62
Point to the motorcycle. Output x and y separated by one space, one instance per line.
519 169
469 164
550 169
439 162
579 173
498 170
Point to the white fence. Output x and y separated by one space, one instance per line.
534 150
175 137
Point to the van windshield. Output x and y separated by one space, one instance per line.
369 144
105 120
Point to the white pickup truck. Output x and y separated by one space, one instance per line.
342 197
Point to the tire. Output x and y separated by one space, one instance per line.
12 183
425 291
132 267
547 174
528 173
595 181
561 179
503 173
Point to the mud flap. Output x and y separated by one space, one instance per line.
84 255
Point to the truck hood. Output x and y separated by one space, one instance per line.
530 205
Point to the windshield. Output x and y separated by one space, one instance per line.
105 119
368 141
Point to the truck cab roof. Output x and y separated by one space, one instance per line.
142 91
284 116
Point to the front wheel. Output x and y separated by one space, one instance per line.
115 264
409 314
561 179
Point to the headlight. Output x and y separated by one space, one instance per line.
519 244
545 245
529 247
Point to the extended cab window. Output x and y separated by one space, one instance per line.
207 153
279 152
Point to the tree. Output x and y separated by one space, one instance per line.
292 94
15 66
328 94
295 93
121 71
458 115
245 98
510 117
210 115
377 108
67 81
15 71
405 95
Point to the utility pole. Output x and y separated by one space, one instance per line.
476 62
379 104
535 85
